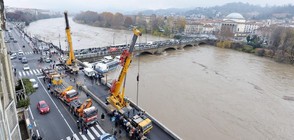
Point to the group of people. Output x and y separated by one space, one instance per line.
133 132
35 137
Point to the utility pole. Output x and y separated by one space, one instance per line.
59 43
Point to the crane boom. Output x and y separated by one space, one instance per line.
117 94
71 56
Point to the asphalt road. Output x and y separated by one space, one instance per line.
59 123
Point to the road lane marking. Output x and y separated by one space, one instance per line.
37 133
28 73
31 72
23 73
19 73
56 107
76 137
35 124
31 113
100 128
34 71
95 131
68 138
83 136
90 134
37 70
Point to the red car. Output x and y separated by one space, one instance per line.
43 107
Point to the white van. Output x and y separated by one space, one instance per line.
89 72
20 54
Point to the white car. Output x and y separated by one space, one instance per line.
26 67
34 83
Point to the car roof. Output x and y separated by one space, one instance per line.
25 64
33 80
42 102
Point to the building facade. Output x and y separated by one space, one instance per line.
9 127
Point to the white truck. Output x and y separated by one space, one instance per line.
89 72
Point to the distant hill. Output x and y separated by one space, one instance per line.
246 9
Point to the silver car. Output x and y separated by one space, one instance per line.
34 83
26 67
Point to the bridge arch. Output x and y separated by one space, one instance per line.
145 53
188 45
202 43
169 48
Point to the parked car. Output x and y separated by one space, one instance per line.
13 56
24 60
43 107
107 136
26 67
34 83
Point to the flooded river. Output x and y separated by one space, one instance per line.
211 93
83 36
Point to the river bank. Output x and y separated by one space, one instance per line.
275 55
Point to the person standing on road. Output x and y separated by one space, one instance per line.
78 124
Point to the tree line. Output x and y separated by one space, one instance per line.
20 16
160 26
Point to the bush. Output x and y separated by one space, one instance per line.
248 49
224 44
28 86
259 52
23 103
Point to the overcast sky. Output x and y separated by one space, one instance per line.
128 5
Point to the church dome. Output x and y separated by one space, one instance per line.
234 16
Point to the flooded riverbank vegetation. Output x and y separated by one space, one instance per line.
155 25
277 43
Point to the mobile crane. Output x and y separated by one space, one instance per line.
117 98
70 64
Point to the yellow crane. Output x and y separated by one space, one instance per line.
70 64
117 97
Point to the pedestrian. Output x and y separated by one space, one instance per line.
119 132
86 129
116 123
128 114
114 133
78 124
102 116
34 137
44 79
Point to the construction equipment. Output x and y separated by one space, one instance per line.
77 108
53 76
70 64
117 98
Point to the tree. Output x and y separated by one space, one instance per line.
248 38
128 21
117 20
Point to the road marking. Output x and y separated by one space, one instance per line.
37 70
75 136
34 71
19 73
100 129
37 133
68 138
35 124
23 73
90 134
83 136
28 73
31 72
95 131
31 113
56 107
